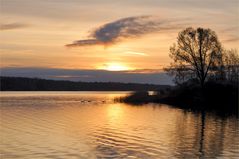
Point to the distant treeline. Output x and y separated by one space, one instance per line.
36 84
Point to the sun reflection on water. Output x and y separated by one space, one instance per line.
114 113
80 125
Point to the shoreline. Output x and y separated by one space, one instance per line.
220 98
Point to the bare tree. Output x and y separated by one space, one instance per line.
197 54
231 64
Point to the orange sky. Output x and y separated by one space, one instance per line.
34 33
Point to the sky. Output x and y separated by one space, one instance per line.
129 36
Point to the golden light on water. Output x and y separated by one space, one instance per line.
81 121
114 112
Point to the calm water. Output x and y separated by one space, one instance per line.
90 125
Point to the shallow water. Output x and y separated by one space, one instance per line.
90 125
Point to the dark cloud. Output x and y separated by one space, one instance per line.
85 42
11 26
130 27
134 76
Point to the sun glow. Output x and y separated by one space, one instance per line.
115 67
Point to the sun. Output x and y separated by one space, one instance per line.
114 66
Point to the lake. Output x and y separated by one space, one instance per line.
91 125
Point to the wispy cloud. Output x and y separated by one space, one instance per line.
10 26
70 76
125 28
145 71
232 39
231 34
133 53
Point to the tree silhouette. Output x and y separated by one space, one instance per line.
231 65
197 54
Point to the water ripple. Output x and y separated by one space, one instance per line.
90 126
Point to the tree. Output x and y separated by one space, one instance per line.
197 54
231 64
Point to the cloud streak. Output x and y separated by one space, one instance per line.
121 29
133 53
11 26
232 39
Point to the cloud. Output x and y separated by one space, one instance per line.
69 76
145 71
232 39
231 34
125 28
133 76
85 42
133 53
11 26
